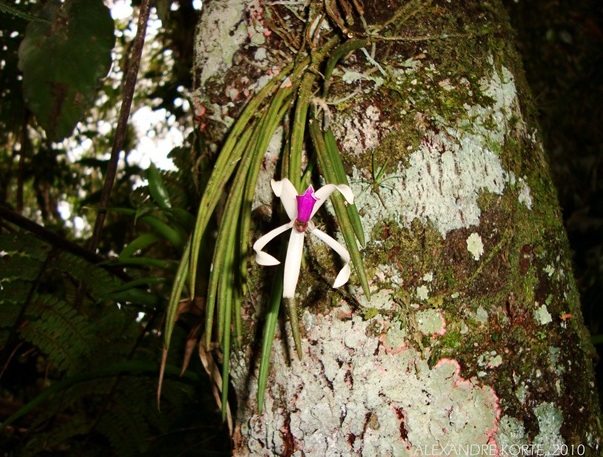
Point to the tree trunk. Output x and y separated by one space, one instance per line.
473 341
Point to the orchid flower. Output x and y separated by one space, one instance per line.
301 209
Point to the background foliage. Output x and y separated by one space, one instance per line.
80 331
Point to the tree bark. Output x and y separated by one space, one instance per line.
473 341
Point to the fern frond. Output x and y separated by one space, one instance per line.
127 430
69 428
98 281
13 291
18 243
58 331
17 12
21 257
98 381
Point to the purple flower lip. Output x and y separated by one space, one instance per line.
305 205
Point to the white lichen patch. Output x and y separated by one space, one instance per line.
224 32
525 196
422 293
388 273
431 322
480 119
260 54
381 300
351 396
510 435
481 315
446 174
554 359
490 360
495 361
440 188
542 315
475 246
264 196
350 76
521 393
550 420
362 130
395 338
549 270
226 28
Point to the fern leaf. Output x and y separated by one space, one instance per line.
58 331
17 12
97 280
41 443
126 430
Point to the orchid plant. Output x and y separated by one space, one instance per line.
239 162
300 209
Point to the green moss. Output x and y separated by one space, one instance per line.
450 343
369 313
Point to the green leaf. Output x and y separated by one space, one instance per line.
157 188
143 262
17 12
238 206
299 128
135 296
228 221
57 329
325 162
273 118
182 218
268 336
230 154
179 282
62 60
226 295
342 178
338 53
141 242
174 236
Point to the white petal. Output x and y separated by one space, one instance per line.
293 263
285 190
344 273
347 193
325 192
262 257
266 260
343 276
